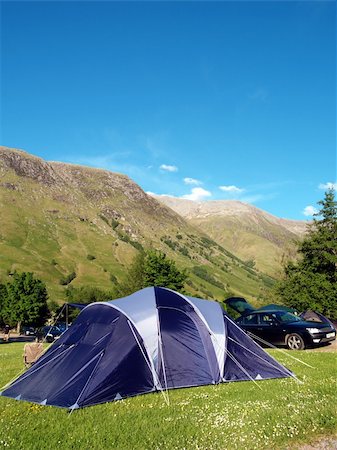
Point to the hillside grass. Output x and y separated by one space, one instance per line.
68 242
51 229
269 245
280 415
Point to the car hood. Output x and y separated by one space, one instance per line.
310 324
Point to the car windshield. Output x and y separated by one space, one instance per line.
286 317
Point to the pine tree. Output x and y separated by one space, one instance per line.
311 283
319 248
151 268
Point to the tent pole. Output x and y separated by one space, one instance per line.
87 382
260 357
164 372
44 351
162 359
243 370
279 349
154 374
286 371
51 326
40 367
267 343
13 379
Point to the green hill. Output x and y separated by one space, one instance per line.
250 233
83 226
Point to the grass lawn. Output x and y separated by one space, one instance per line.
238 415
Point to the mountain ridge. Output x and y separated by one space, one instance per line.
245 230
63 219
191 209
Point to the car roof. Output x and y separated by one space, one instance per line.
268 311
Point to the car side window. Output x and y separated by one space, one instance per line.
266 319
250 320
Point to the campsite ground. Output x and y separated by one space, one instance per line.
331 347
328 443
278 414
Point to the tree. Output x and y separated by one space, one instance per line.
319 248
86 294
3 295
311 283
152 268
26 301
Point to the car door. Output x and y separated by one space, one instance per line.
269 328
249 323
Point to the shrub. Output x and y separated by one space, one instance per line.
184 251
68 279
202 273
114 224
113 278
104 219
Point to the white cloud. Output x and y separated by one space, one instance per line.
169 168
232 189
309 211
328 185
188 180
197 194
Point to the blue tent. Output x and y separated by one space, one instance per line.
152 340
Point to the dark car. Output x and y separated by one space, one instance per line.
29 331
49 333
284 328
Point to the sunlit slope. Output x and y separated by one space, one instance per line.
248 232
58 220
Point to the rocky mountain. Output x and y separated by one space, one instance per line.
250 233
75 225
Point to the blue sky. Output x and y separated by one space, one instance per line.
206 100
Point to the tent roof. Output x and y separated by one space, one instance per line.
154 339
141 308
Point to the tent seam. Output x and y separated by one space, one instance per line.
117 308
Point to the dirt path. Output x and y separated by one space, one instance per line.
331 347
328 443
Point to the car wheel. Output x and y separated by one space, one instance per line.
295 342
